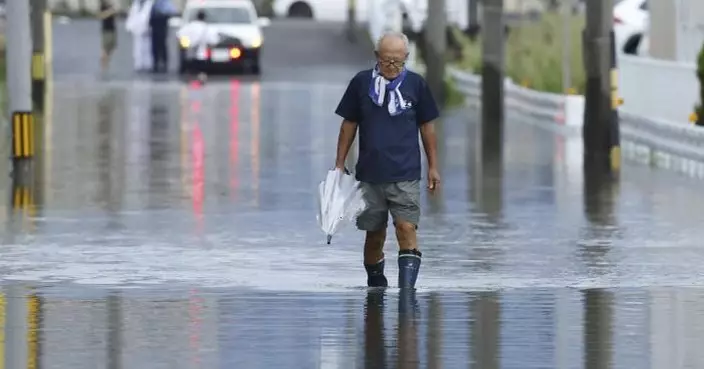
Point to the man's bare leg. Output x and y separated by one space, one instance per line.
406 236
374 258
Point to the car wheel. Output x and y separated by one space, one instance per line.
631 46
300 9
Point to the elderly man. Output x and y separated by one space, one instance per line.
390 105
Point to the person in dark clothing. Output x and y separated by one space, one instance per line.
159 23
108 32
160 29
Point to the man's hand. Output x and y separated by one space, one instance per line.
433 179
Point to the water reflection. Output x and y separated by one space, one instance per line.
199 329
374 338
435 334
407 355
486 173
598 321
115 325
111 176
600 195
159 149
485 339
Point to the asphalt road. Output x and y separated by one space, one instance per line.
173 227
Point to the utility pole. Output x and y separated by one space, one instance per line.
493 74
352 20
19 83
473 19
435 39
38 17
600 130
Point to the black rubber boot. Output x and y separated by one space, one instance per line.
408 268
375 275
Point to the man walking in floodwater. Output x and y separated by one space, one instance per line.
390 105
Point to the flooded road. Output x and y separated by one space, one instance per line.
173 226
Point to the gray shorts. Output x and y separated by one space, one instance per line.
402 199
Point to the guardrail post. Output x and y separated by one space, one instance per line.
493 73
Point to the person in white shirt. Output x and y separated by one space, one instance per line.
200 36
138 25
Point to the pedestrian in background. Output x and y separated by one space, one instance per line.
390 105
108 33
138 25
200 35
159 22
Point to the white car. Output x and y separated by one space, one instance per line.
239 28
630 24
321 10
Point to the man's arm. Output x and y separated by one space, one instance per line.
107 13
427 135
348 109
348 130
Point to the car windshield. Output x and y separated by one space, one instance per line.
227 15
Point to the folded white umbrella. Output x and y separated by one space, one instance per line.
340 201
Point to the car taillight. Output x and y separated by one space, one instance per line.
208 53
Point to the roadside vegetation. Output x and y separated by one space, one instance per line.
534 53
3 75
698 117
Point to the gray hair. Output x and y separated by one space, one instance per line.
394 34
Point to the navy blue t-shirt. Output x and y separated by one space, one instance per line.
389 150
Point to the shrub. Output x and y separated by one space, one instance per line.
3 75
699 110
534 53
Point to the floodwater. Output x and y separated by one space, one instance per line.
172 226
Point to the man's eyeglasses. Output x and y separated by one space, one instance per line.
392 63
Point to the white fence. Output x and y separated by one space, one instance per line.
659 89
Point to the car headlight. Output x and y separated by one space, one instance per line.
184 42
257 42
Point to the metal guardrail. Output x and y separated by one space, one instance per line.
545 107
678 146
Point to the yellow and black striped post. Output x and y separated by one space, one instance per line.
38 80
23 135
616 101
